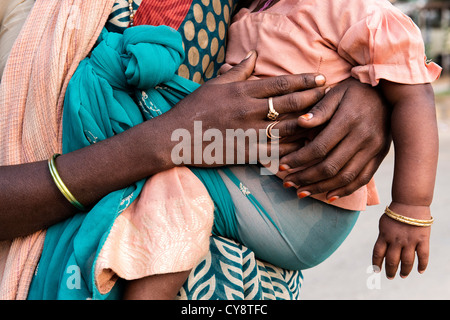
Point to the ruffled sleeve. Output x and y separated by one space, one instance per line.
386 44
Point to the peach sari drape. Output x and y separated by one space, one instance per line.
57 35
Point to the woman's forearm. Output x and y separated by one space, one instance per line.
31 201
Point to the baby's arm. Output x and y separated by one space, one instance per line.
415 136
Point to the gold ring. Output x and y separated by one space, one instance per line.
269 130
273 114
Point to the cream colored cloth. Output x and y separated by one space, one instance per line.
57 35
165 230
13 14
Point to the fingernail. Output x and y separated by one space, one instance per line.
334 198
284 167
248 55
320 80
304 194
327 90
288 184
307 116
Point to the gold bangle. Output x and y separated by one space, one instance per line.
60 184
411 221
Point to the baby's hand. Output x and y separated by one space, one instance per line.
398 241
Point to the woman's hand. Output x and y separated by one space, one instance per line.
346 153
231 104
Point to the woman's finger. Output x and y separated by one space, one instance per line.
323 110
239 72
297 102
283 129
362 179
280 85
269 87
285 148
338 176
317 149
332 166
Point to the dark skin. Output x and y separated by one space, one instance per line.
156 287
415 136
31 201
321 166
414 132
416 142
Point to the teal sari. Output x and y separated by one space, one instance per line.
101 102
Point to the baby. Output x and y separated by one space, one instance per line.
375 43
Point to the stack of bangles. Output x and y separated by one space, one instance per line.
414 222
60 184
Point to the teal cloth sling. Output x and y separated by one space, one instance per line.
100 103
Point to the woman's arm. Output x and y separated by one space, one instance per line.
30 200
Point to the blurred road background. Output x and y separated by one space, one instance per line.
347 273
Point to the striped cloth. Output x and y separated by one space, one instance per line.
157 13
57 35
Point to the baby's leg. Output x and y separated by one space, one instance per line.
155 287
306 231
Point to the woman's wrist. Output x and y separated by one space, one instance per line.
94 171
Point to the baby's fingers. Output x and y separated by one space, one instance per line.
393 254
408 254
379 251
423 250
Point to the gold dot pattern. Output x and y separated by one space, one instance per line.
183 71
211 22
193 56
202 38
189 30
205 62
214 46
198 13
204 33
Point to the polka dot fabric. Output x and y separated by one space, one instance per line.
204 33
